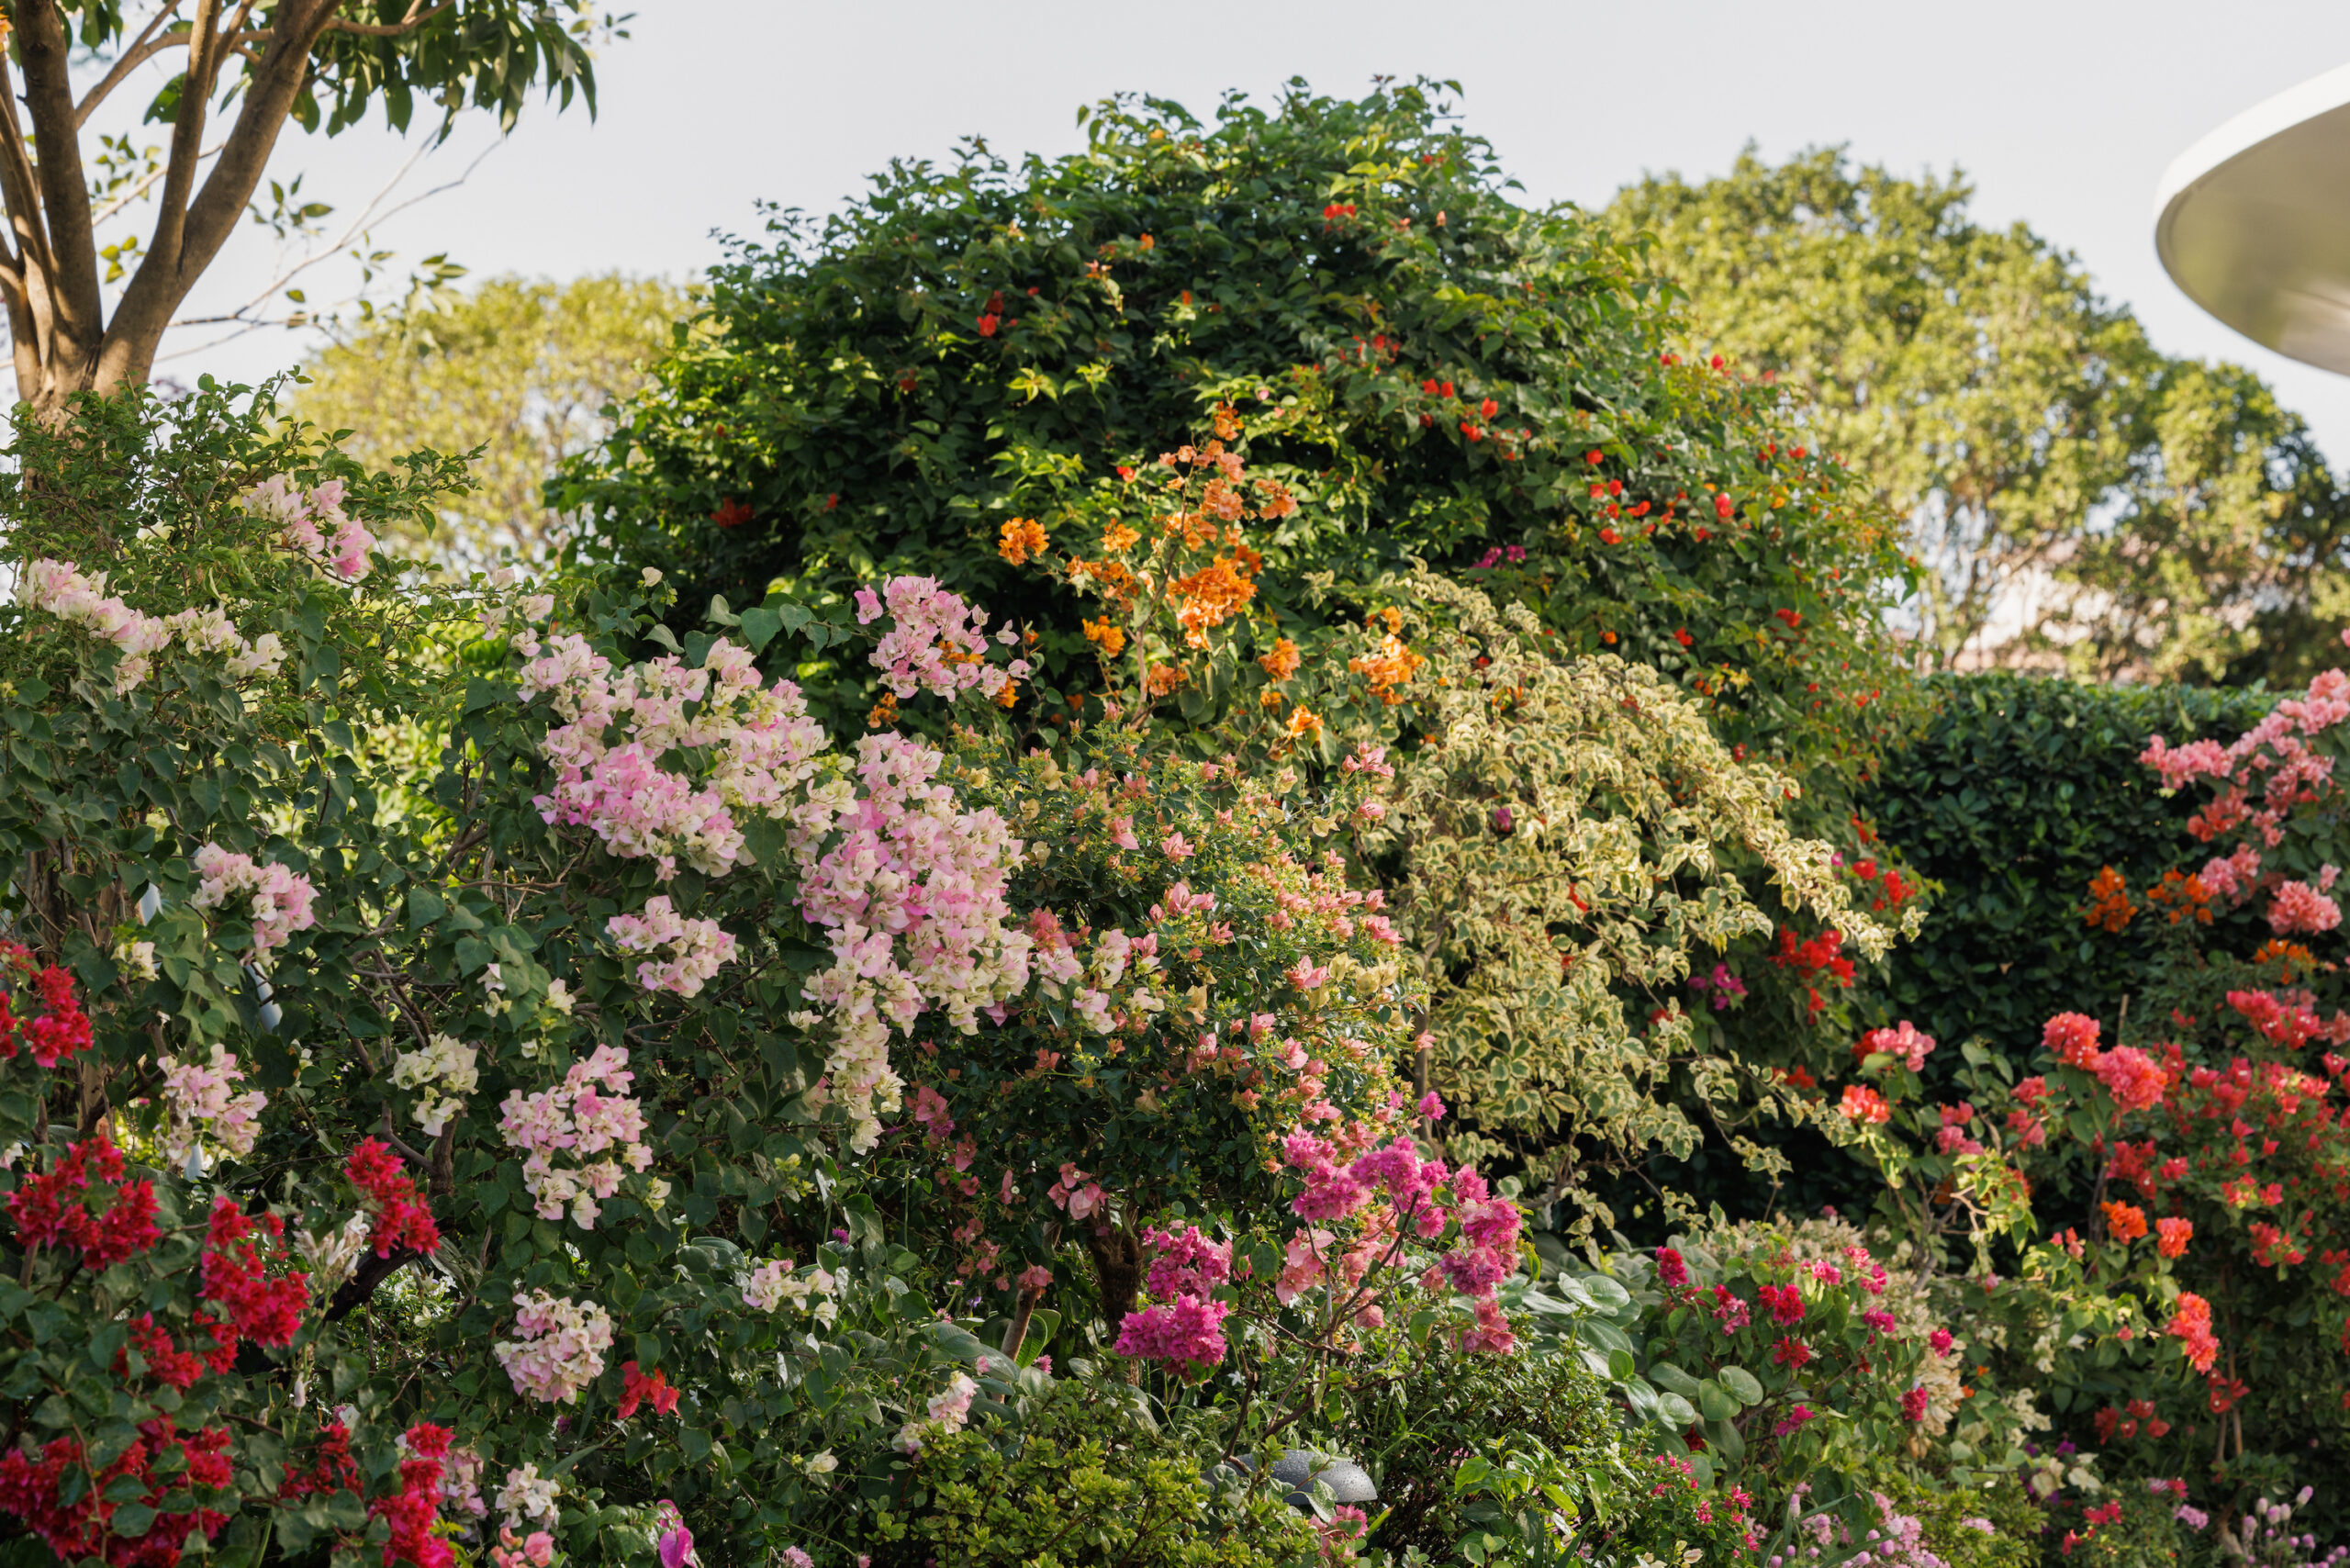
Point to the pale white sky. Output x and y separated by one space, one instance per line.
2065 114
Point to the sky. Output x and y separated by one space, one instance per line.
2063 114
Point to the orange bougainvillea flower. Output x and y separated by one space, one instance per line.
1021 538
884 714
1009 695
2110 905
2185 896
2172 1237
1117 537
1283 662
1209 598
1390 665
1106 637
2125 1222
1304 722
1160 679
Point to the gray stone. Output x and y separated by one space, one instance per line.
1300 1468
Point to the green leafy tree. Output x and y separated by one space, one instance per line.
239 73
518 372
2076 498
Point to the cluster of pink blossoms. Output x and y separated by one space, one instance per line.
58 588
696 949
202 1100
1184 1325
2261 778
948 1412
281 899
315 527
912 896
2134 1079
938 641
1903 1043
558 1346
749 749
576 1120
1407 1189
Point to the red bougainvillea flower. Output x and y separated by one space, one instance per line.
730 513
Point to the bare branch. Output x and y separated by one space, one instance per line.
415 18
144 48
368 216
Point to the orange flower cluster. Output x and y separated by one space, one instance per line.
1021 538
1106 637
1304 722
1393 664
885 713
1160 679
1113 578
1283 662
2185 898
1214 594
2110 905
2292 959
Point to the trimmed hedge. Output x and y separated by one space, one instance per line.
2011 798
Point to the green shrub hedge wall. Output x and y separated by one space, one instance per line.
2013 796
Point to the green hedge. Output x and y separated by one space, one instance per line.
2011 798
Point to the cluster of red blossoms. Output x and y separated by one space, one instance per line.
1811 958
400 1218
31 1490
62 1209
417 1506
638 1389
60 1030
254 1307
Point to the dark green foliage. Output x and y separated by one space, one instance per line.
1434 371
2014 795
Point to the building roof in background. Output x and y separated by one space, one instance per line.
2253 222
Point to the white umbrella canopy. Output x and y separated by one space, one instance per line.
2253 222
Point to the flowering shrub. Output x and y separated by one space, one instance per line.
1687 528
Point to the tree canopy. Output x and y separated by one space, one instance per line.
521 370
2076 498
243 71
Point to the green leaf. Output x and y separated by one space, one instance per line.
759 626
1741 1383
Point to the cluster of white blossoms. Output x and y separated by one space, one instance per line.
445 1070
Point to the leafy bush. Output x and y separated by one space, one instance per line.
1431 370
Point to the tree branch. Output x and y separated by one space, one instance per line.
415 18
45 46
144 47
197 231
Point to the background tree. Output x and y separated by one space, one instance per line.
2076 498
522 369
320 63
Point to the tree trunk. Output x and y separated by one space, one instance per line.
1118 1271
